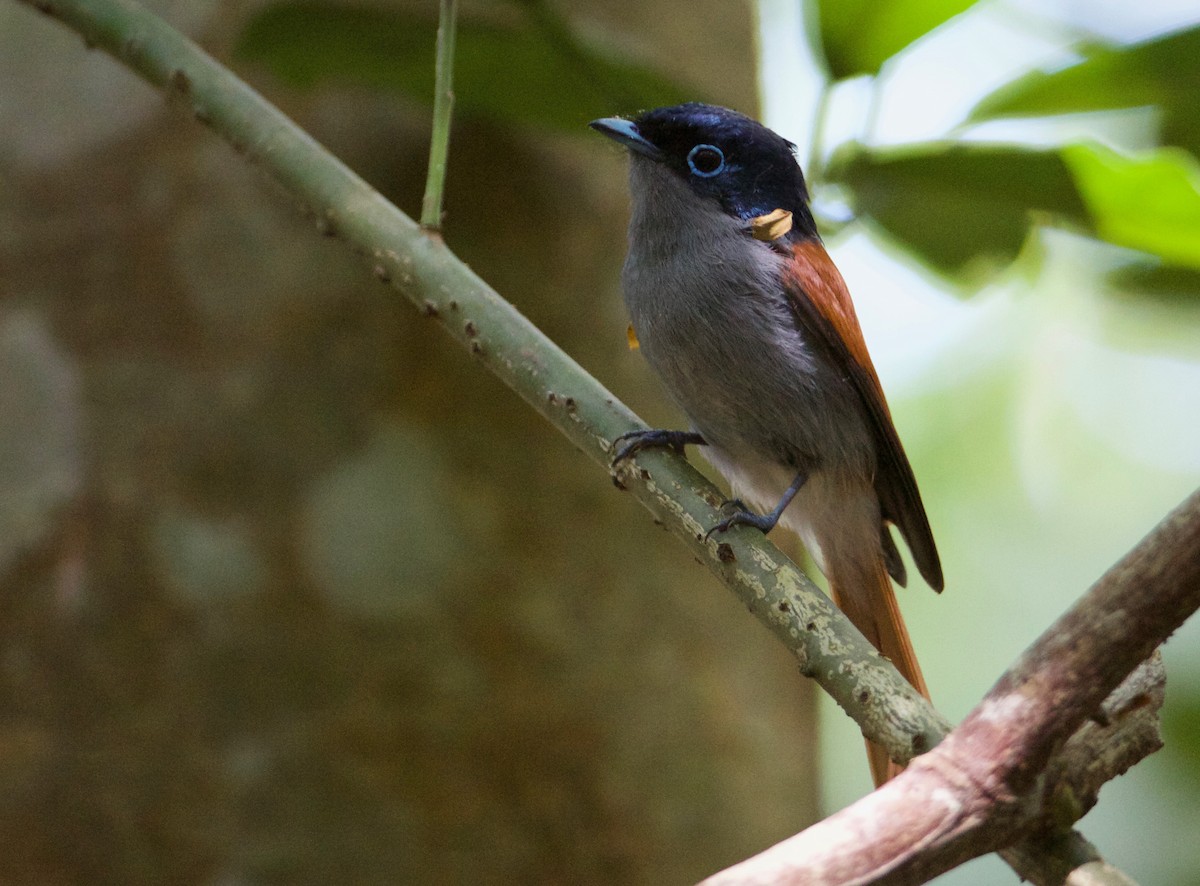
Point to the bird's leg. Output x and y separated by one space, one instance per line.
763 522
633 442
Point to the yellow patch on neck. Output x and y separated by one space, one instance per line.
771 226
632 338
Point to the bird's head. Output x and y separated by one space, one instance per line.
719 154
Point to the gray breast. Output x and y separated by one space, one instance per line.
713 322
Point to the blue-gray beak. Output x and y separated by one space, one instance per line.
626 132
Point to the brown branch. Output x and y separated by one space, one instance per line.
1125 732
987 786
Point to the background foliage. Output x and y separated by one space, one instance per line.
290 591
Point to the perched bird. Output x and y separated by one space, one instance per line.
741 312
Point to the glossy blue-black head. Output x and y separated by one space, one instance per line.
748 169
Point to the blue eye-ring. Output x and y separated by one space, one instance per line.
706 160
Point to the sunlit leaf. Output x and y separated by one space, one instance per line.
1163 72
959 207
1149 202
858 36
533 72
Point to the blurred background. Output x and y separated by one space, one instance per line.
292 592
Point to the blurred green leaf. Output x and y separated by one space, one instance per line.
858 36
1163 72
1181 724
535 72
960 206
1156 279
1149 202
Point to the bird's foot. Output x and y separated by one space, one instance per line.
633 442
743 517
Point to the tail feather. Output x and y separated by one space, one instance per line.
870 603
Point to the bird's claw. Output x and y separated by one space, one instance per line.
651 438
742 517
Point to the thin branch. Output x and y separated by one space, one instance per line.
984 787
443 107
828 648
814 169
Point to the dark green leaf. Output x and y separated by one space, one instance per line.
1156 279
534 72
959 207
1163 72
858 36
1149 202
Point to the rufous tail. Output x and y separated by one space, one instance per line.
870 603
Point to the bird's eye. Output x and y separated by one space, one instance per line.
706 160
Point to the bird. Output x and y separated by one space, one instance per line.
738 308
